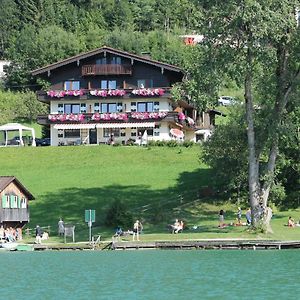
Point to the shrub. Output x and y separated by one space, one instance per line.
118 215
172 143
188 144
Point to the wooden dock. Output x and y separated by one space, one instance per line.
174 245
208 244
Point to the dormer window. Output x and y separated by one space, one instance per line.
116 60
101 61
72 85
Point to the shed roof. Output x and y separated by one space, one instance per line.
6 180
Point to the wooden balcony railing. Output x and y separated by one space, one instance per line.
14 214
106 70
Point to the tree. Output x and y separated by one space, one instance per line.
257 43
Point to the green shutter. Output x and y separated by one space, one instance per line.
3 201
19 202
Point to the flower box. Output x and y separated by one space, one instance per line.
108 93
148 115
109 117
66 117
148 92
61 94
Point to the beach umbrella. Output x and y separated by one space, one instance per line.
177 133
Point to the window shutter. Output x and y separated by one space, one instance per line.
19 202
3 201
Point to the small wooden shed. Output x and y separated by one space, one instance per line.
14 210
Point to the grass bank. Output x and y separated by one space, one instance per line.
158 184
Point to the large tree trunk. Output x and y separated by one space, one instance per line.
253 163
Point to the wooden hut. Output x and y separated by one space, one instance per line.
14 211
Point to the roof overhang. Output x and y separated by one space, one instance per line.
131 56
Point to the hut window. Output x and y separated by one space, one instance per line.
5 201
23 203
13 201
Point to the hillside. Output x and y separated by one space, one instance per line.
68 180
157 184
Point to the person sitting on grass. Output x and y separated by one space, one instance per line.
179 227
118 233
175 226
291 222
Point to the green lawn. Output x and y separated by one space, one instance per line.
158 184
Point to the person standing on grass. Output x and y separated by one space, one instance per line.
239 216
221 218
61 227
38 234
137 226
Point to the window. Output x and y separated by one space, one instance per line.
108 84
83 108
13 201
72 108
141 83
60 108
116 60
72 133
96 107
133 106
107 132
101 61
23 203
144 83
156 106
108 107
145 106
72 85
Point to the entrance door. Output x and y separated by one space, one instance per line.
93 136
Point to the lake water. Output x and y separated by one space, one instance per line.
157 274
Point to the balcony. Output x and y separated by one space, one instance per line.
14 214
86 94
89 70
93 118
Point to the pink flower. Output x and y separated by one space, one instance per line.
148 92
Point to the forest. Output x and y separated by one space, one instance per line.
252 46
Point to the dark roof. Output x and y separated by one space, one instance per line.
102 50
6 180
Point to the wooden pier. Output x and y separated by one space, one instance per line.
208 244
174 245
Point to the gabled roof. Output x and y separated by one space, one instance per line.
6 180
103 50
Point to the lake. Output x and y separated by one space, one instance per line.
151 274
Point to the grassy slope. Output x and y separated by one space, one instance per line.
158 184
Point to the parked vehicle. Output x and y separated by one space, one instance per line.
16 140
226 100
43 142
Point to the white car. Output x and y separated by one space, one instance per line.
226 100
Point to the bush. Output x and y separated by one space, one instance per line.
118 215
172 143
188 144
